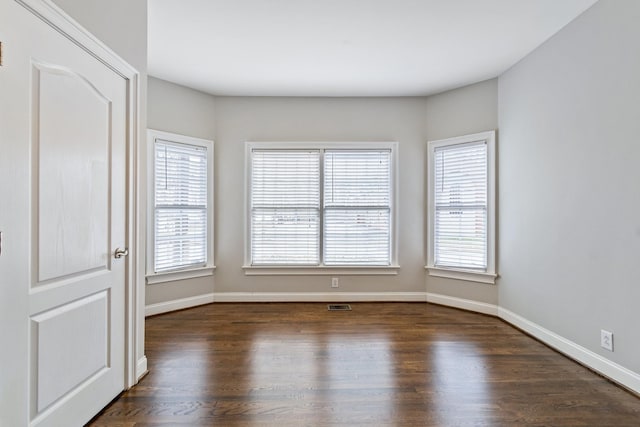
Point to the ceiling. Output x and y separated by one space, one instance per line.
345 47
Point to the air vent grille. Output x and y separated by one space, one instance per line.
339 307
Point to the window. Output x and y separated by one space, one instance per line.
285 207
320 206
180 208
461 208
357 207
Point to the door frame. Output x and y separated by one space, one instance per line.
47 11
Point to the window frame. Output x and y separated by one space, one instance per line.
489 275
321 269
208 268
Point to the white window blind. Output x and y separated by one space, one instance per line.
285 207
357 207
460 191
180 203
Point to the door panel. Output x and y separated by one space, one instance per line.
62 213
72 346
71 146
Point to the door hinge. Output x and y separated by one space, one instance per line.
0 54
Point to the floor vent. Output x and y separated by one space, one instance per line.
339 307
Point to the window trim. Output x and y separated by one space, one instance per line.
268 270
488 276
180 273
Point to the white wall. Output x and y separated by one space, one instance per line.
569 155
463 111
178 109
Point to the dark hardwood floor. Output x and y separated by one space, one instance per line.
400 364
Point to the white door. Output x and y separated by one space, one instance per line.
63 142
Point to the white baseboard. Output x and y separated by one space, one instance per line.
598 363
319 296
141 367
182 303
178 304
465 304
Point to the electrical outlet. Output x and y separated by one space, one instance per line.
335 283
606 340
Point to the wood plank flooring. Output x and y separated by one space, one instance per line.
395 364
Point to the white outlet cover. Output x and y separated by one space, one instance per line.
606 340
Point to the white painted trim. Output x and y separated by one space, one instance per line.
172 276
465 304
57 18
141 367
469 276
182 303
320 296
178 304
252 270
598 363
135 288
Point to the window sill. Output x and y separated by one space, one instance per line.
468 275
283 270
171 276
